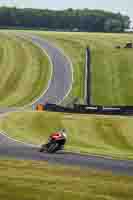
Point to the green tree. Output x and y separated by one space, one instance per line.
69 19
113 25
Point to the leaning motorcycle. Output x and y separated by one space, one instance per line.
55 143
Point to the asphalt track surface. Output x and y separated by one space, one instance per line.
15 149
62 77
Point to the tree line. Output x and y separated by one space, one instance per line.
67 20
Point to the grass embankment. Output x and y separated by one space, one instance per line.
24 71
30 180
111 136
112 71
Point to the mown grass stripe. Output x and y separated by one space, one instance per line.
31 180
26 71
14 76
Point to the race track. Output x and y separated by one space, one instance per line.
62 73
11 148
59 86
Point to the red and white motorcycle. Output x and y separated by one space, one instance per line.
56 142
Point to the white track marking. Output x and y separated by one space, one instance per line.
72 70
51 64
69 60
18 141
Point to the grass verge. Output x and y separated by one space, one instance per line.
24 71
31 180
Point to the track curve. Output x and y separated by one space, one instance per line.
12 148
61 80
62 73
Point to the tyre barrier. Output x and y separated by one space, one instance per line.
85 109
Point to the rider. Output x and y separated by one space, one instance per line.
60 135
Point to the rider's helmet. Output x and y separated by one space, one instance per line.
63 132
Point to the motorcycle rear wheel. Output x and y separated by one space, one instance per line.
53 148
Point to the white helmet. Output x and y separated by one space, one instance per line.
63 131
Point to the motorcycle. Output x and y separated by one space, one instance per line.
55 143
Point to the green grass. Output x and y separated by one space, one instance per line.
112 71
108 136
31 180
24 71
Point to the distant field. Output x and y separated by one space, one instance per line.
109 136
24 71
31 180
112 69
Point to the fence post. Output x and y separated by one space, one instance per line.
88 77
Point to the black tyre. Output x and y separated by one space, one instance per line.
53 148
